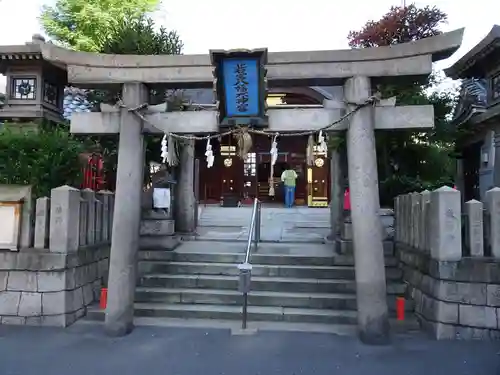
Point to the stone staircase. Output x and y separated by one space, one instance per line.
291 283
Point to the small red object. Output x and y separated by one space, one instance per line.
400 308
104 298
347 200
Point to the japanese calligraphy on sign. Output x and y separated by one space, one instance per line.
240 87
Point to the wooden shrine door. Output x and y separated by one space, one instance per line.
317 181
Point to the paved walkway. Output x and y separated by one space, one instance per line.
84 350
279 224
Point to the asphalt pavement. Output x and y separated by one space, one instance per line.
84 349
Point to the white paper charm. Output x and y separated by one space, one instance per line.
322 147
274 151
209 154
164 149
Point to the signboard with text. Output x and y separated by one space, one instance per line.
240 86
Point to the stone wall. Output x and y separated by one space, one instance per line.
44 288
52 281
451 261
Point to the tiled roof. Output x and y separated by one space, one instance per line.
75 100
472 100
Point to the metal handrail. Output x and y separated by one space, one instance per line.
252 229
245 268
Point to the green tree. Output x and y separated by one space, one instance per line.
117 28
411 160
45 159
85 25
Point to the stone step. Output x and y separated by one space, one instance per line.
265 259
223 312
294 271
332 301
347 247
157 227
409 325
273 284
158 243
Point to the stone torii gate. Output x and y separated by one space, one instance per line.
357 70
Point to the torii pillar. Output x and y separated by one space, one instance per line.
127 217
371 294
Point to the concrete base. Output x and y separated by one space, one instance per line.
118 329
377 332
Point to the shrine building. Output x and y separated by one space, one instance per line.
233 179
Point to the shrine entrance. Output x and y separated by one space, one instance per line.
236 181
239 181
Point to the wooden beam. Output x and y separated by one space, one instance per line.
280 120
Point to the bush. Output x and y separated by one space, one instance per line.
45 159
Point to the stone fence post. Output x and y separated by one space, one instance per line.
493 209
425 226
42 223
89 196
106 198
406 219
397 218
64 219
402 218
98 217
415 202
446 224
474 228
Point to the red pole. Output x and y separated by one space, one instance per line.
400 308
103 302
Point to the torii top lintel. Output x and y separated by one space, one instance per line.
284 69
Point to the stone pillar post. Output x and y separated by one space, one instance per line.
64 219
106 213
89 196
474 228
185 220
446 225
493 207
424 224
42 215
373 322
127 215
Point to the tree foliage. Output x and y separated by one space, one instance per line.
139 36
85 25
399 25
45 159
114 27
409 160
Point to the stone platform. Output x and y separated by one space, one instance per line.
278 224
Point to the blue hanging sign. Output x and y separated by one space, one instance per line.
241 87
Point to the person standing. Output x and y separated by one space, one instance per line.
289 177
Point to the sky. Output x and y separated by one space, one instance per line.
279 25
